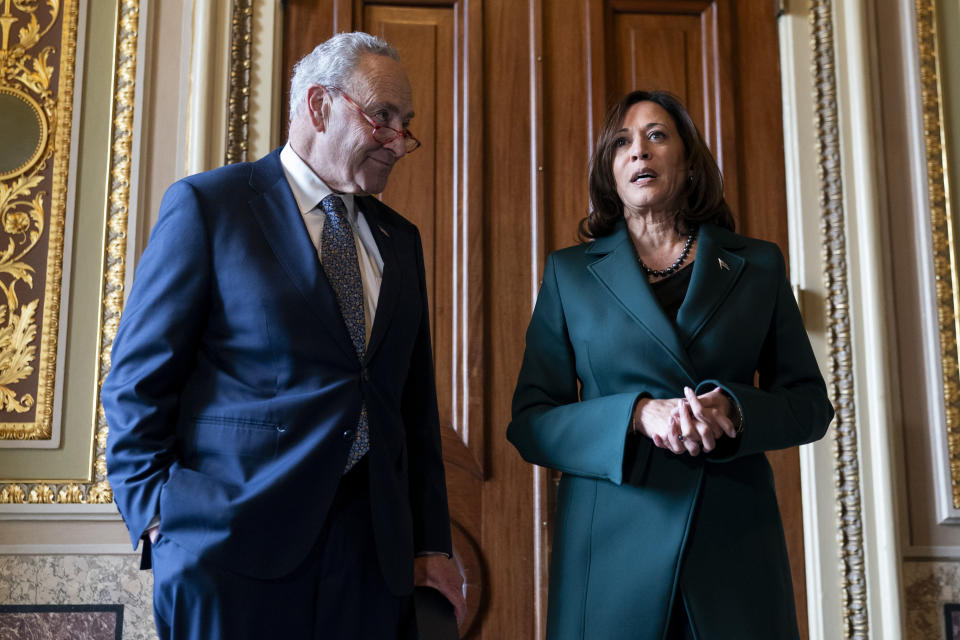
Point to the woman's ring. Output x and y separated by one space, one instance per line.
680 437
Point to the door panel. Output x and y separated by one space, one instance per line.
421 185
681 47
509 95
663 51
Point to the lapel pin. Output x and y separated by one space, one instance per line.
723 265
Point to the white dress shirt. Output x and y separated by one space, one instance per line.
308 191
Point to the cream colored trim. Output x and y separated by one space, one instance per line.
805 271
135 226
797 44
853 589
267 79
940 244
63 529
66 511
206 86
938 553
870 297
66 549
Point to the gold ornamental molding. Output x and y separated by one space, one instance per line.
238 106
97 490
942 228
38 43
840 345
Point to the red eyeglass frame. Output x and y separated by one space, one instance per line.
408 137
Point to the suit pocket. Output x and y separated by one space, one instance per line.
236 436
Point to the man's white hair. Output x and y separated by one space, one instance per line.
331 64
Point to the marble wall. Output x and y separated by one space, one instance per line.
928 586
82 579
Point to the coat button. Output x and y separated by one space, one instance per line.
348 434
365 375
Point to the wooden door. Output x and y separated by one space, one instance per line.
509 95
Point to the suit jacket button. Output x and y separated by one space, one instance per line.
365 375
348 434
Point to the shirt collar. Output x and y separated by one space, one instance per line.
308 189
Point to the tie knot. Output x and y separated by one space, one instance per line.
335 209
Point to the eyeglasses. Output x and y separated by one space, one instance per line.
382 133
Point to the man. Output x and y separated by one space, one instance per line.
274 437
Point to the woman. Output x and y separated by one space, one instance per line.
638 384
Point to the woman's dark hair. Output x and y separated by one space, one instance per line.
703 193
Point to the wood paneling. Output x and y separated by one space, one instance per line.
567 120
663 52
433 188
508 528
758 100
762 213
509 95
681 46
307 23
422 184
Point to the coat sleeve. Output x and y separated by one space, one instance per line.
428 492
790 406
151 357
551 425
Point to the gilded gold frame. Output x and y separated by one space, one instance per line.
114 257
941 225
238 107
113 269
841 377
57 135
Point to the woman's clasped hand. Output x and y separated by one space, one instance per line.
688 425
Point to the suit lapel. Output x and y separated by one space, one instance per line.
279 217
618 271
715 271
385 237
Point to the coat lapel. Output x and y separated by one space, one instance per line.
385 237
715 270
618 271
279 217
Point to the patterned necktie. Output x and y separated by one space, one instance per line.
338 251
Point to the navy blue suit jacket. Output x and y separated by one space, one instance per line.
234 387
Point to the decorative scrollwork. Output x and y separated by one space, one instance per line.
841 375
26 78
98 491
241 45
941 225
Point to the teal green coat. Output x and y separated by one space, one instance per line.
637 524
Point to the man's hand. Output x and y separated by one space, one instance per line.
444 575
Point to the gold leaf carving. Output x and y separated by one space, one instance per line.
100 493
71 494
30 34
27 6
16 355
43 494
849 518
14 66
38 80
22 217
13 494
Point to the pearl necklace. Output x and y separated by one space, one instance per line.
662 273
